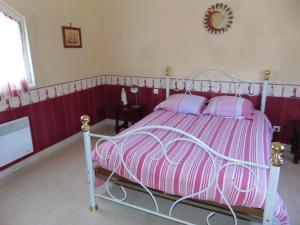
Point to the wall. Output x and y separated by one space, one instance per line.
52 63
58 117
141 37
54 112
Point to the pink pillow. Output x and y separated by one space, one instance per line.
230 106
183 103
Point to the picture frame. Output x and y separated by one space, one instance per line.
71 37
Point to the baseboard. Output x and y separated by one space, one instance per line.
20 165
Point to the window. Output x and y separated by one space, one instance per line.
16 73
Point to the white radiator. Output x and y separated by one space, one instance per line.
15 140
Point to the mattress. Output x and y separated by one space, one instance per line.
192 170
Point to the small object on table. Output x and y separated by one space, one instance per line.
124 96
130 113
296 140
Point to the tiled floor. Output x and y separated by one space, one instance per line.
53 191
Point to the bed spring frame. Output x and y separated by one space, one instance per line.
274 167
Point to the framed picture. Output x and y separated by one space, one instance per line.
71 37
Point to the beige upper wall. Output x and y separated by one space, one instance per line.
142 36
52 63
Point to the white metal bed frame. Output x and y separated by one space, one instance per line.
274 167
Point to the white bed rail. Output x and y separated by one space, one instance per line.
212 75
276 162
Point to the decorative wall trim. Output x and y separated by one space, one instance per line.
277 90
53 91
60 145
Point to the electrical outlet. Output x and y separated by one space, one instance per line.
155 91
276 129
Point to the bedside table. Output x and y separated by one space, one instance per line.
130 113
296 140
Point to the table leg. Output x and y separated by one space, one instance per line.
125 120
117 128
296 151
141 113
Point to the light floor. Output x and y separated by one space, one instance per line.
53 191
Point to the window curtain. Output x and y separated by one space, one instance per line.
13 79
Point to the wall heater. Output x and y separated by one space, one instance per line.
15 140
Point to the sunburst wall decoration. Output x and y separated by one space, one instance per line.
218 18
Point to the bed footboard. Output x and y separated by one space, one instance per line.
248 214
271 197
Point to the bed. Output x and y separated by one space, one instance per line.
217 160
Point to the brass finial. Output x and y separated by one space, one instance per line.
267 74
93 208
85 119
168 71
277 151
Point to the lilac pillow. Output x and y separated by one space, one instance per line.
183 103
230 106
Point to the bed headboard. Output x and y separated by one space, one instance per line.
211 76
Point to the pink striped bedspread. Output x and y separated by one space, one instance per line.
242 139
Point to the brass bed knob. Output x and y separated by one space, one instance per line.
267 74
277 151
85 119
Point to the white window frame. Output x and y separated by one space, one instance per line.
25 41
